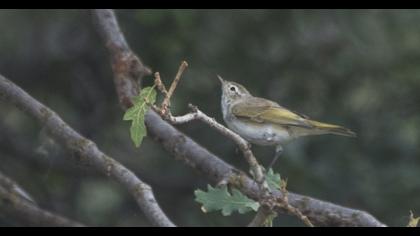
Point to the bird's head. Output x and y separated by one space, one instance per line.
232 90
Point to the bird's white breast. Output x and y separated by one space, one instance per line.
260 134
253 132
257 133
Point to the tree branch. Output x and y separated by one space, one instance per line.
127 67
14 201
85 149
200 159
12 186
168 94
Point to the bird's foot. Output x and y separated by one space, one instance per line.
277 154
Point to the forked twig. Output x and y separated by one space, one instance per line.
168 93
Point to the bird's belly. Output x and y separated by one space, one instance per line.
260 134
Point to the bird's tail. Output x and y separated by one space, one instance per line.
332 129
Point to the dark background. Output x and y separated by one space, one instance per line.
359 69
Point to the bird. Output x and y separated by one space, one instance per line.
266 123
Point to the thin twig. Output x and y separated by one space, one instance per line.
159 84
86 149
167 100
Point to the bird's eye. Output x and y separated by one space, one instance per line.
232 89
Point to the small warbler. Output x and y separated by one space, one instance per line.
264 122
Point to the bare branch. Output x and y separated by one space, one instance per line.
127 67
12 186
167 101
204 162
159 84
14 204
86 149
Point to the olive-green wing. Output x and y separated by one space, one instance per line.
265 111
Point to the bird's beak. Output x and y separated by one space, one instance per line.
221 80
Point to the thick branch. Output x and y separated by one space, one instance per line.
127 67
216 170
15 204
85 149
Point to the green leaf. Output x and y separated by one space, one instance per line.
273 180
220 199
137 112
414 221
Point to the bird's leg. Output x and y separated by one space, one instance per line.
279 151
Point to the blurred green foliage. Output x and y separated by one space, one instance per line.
356 68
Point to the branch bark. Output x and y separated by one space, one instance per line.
183 148
85 149
127 67
13 187
15 202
